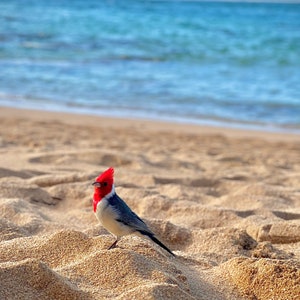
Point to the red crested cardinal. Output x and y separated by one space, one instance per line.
115 215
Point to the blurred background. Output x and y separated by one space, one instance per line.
217 63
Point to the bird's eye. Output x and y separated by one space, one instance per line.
104 183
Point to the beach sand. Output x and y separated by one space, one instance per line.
227 202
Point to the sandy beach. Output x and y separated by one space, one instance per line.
226 202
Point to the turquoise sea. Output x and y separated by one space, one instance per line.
224 63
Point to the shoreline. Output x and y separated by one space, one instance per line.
91 119
205 121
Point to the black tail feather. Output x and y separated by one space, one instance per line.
155 240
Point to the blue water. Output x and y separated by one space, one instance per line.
199 62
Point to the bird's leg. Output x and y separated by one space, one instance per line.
113 245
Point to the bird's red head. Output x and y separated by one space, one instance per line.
103 185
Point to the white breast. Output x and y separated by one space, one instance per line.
107 217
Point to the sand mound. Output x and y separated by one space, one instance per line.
34 280
121 270
22 216
279 233
17 188
69 259
156 291
264 278
10 231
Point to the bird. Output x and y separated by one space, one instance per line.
115 215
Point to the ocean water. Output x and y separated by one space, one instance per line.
229 64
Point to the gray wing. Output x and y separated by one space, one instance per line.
127 216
